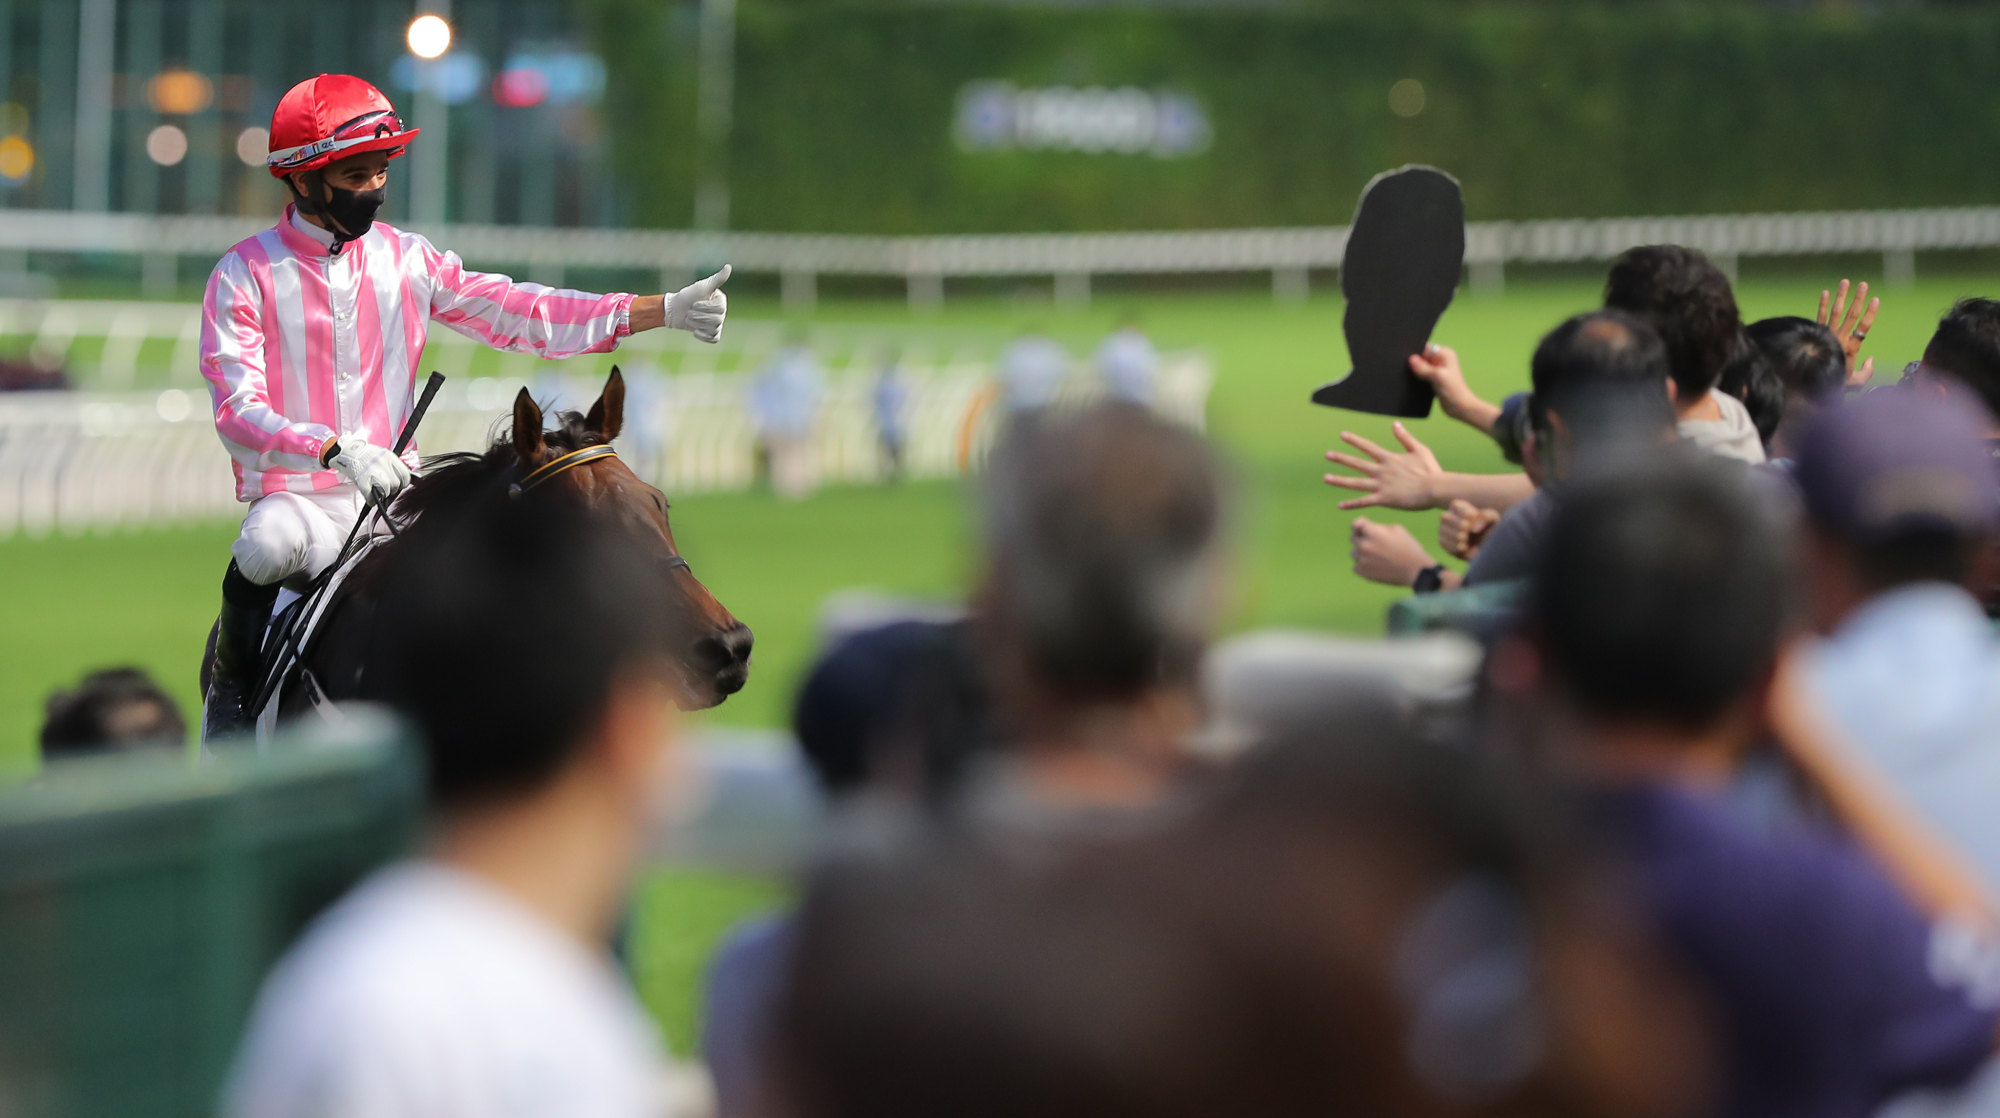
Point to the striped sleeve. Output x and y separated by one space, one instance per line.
520 317
232 361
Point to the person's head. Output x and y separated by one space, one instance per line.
1898 488
1806 367
1360 923
1104 556
1687 299
1965 350
1658 605
116 710
533 646
888 707
1599 379
332 137
1750 378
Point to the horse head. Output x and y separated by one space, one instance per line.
716 661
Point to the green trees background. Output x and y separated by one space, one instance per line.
844 111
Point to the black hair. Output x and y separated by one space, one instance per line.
903 700
113 710
1605 373
1804 355
1685 297
1916 556
1750 377
1967 347
502 630
1661 593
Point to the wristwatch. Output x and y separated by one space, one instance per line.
1429 580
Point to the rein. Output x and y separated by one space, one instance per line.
547 471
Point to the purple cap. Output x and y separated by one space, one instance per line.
1896 461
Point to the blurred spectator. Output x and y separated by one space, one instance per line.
1900 492
890 402
1600 382
1965 353
1806 369
1360 924
534 650
862 721
1750 380
1032 370
1652 640
784 409
1686 298
114 710
1103 582
1129 364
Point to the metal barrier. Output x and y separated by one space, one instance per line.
924 263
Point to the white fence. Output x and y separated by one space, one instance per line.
76 461
924 263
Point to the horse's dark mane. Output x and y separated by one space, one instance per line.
456 478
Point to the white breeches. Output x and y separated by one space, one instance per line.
294 536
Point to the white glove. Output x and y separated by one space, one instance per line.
699 308
378 473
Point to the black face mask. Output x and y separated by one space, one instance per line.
353 210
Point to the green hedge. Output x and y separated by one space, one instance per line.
844 111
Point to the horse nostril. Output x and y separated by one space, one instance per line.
721 651
738 641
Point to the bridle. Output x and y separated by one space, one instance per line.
547 471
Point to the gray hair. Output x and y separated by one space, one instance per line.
1104 531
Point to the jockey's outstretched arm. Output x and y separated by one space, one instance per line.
521 317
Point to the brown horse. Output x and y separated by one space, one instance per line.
572 462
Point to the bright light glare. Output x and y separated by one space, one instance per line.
429 36
252 145
17 158
166 145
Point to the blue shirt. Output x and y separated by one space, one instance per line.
1127 362
744 982
1032 369
1820 973
784 399
1912 681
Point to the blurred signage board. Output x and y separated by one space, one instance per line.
1127 120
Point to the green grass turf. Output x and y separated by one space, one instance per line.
68 604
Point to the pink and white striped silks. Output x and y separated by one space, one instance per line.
299 346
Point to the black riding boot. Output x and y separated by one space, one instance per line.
239 643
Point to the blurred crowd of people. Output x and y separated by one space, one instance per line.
1708 831
788 393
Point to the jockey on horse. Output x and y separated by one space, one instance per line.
311 336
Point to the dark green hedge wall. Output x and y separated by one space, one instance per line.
844 111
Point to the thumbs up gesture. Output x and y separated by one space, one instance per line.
700 307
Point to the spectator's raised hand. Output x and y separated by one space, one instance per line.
1387 553
1390 479
1438 367
1850 322
1463 528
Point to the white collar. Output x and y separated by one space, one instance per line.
299 222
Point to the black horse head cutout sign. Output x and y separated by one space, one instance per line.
1404 253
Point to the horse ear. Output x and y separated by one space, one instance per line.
527 427
607 415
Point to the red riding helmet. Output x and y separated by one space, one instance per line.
331 117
